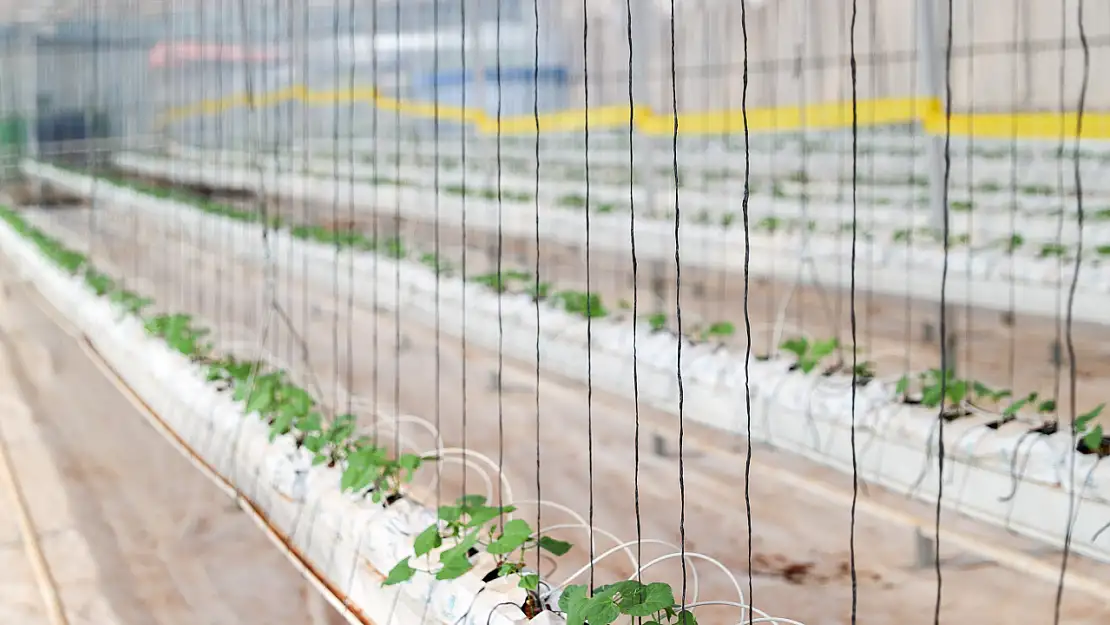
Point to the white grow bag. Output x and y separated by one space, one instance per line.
353 542
789 410
882 267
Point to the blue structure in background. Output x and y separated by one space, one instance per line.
516 87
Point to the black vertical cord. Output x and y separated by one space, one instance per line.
747 309
1072 364
635 289
462 231
678 312
589 270
943 314
436 233
852 310
536 242
500 258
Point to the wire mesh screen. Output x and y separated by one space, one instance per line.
611 311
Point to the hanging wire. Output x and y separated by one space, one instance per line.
539 280
1072 363
500 258
853 573
678 311
744 206
635 288
589 271
944 356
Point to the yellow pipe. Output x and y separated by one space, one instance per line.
830 115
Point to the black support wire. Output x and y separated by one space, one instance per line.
589 271
635 289
750 530
1073 373
678 314
853 573
944 358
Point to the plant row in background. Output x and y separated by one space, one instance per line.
371 470
559 166
1009 244
959 397
953 397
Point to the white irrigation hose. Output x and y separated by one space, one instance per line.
44 581
620 547
580 523
764 617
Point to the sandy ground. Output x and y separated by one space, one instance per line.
110 500
800 539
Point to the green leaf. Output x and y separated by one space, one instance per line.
821 349
1084 419
554 546
646 600
931 396
402 572
600 610
1047 406
797 346
1016 406
686 617
573 602
903 385
281 425
1093 439
480 515
531 581
427 540
454 566
513 535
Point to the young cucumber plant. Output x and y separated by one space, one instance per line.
650 604
808 355
471 523
368 468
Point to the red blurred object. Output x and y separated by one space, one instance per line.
181 52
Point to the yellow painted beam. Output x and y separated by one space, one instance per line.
832 115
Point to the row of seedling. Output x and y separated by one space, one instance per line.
373 471
952 396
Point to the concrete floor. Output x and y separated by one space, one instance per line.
107 499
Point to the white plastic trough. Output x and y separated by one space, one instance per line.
883 209
710 158
978 279
803 414
351 541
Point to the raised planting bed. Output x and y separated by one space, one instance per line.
989 222
1003 463
342 504
892 266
